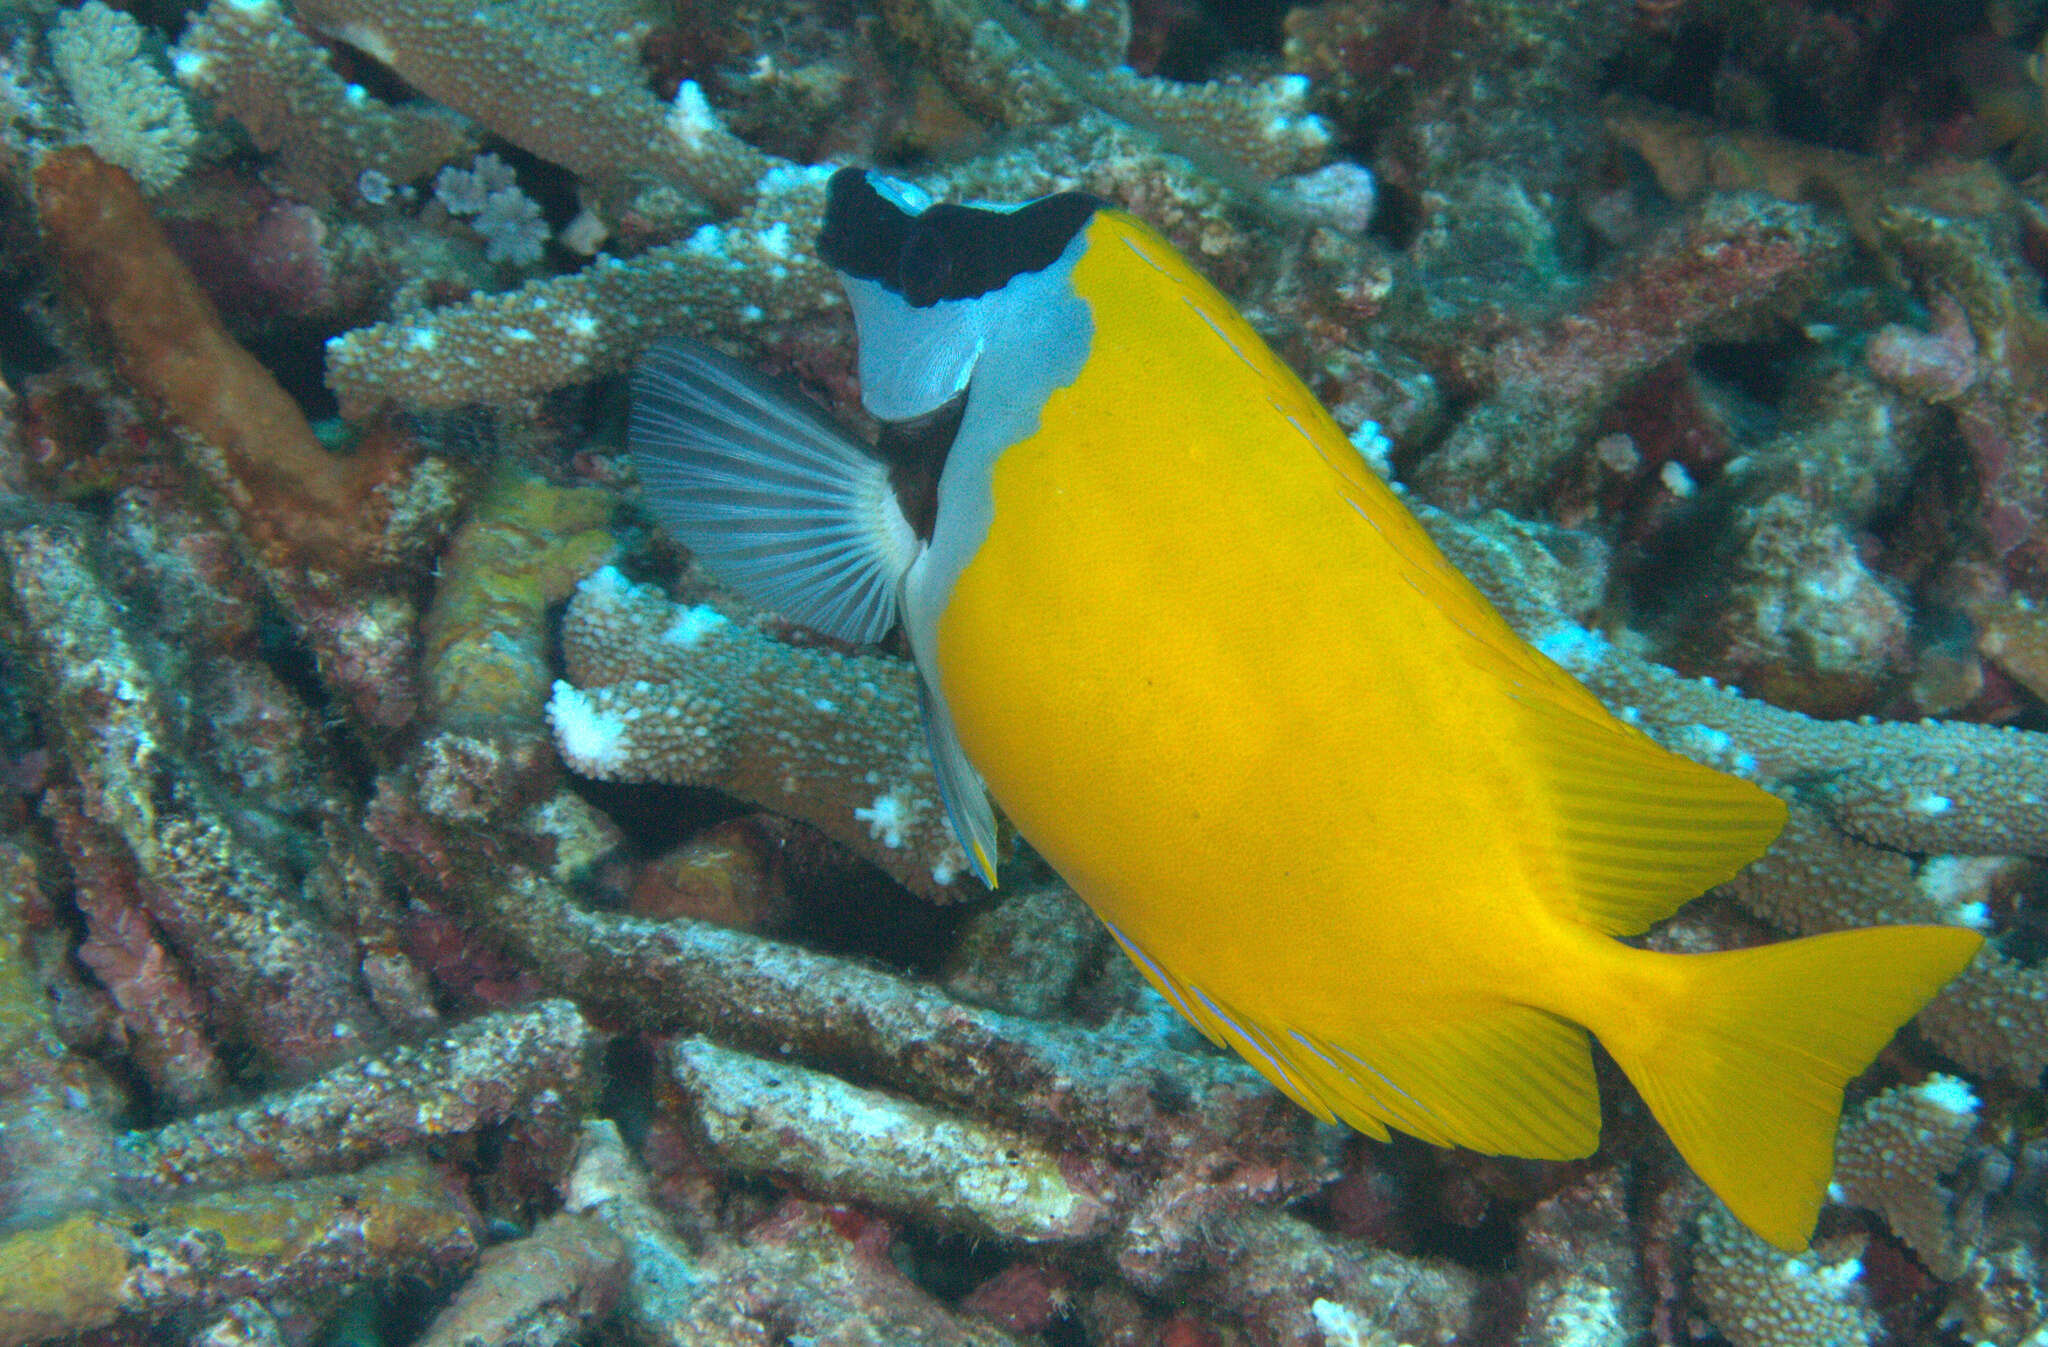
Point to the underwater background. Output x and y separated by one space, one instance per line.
348 996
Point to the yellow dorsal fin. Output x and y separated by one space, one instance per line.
1639 829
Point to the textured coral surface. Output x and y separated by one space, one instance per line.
432 911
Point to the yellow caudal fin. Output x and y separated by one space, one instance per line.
1742 1055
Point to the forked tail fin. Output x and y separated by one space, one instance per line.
1745 1061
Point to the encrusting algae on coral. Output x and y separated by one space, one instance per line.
367 758
483 651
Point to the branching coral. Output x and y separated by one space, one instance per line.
559 79
1038 63
2002 411
52 1146
661 693
1584 1268
1291 1282
313 518
1950 228
505 347
300 503
1694 381
807 1269
1758 1297
1735 263
552 1286
1042 1076
531 1063
312 1238
836 1138
1892 1157
257 66
285 979
133 115
749 277
162 1014
1994 1018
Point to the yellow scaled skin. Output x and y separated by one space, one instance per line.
1222 680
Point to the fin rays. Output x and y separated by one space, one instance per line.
772 498
1506 1079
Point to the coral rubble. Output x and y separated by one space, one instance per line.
430 907
272 1243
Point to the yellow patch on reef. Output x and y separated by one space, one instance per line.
1342 816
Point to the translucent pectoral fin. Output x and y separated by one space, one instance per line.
768 493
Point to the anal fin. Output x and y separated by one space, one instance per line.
1506 1080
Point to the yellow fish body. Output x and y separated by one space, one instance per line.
1338 813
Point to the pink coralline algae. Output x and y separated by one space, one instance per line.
430 906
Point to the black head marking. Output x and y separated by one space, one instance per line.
948 251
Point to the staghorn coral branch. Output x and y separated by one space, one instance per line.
1892 1156
1994 1018
1290 1282
662 693
299 503
313 1238
163 1016
255 63
511 346
560 80
1758 1297
555 1285
313 519
524 547
285 978
1025 69
841 1141
53 1145
1735 261
478 1074
807 1272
